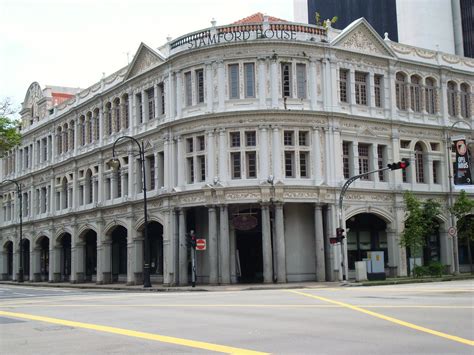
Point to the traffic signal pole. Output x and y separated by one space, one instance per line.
344 267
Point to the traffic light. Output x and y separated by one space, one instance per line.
191 239
340 234
399 165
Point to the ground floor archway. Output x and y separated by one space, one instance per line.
26 259
119 254
43 244
8 253
366 232
155 237
90 255
65 257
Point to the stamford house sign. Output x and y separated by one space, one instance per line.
244 222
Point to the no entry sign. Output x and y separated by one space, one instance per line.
200 244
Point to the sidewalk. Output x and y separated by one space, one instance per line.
161 288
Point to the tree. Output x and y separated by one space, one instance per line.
324 23
9 127
465 223
420 223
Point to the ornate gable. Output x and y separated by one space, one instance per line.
361 37
145 58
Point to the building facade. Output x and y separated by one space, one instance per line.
444 25
249 132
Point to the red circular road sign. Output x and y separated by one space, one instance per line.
200 244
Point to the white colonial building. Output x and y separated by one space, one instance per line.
249 131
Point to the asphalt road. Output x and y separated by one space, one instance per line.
435 318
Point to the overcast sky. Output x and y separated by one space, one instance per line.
72 42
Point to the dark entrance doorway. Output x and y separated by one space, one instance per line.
9 254
119 254
155 235
65 257
366 233
44 259
90 239
26 259
248 234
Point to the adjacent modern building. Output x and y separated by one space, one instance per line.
443 25
249 131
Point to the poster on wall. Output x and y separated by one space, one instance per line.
462 165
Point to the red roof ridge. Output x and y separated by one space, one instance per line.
257 18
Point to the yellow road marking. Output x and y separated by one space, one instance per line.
239 306
387 318
136 334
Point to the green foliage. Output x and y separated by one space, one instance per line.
420 271
434 269
323 23
9 127
461 209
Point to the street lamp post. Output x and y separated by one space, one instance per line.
450 199
18 190
271 181
115 163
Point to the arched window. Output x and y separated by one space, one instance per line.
117 115
88 187
415 93
452 98
419 163
82 130
96 125
89 127
430 96
108 118
65 138
465 101
401 91
64 194
126 117
72 135
59 140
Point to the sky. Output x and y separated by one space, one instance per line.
73 42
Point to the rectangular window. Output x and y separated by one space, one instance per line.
188 95
304 173
343 84
236 166
286 79
380 161
234 81
251 159
161 97
250 139
151 103
289 164
361 88
235 139
301 81
189 145
345 159
201 145
288 138
378 90
249 79
151 168
303 140
363 150
190 174
202 167
436 175
200 85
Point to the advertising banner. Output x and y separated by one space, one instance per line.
462 167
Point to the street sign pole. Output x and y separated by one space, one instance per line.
193 261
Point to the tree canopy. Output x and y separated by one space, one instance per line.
9 127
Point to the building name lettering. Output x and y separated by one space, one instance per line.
224 37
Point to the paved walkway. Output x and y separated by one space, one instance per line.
161 288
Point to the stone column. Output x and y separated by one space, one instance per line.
393 251
274 81
180 161
179 94
262 80
209 87
316 154
106 261
267 245
168 243
54 262
276 153
319 244
222 155
212 246
35 271
211 157
374 163
264 156
224 246
280 243
221 85
330 249
312 84
175 244
183 249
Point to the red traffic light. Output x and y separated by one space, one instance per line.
340 234
399 165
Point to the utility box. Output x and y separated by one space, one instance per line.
376 265
361 270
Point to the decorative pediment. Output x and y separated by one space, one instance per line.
145 59
361 37
366 131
